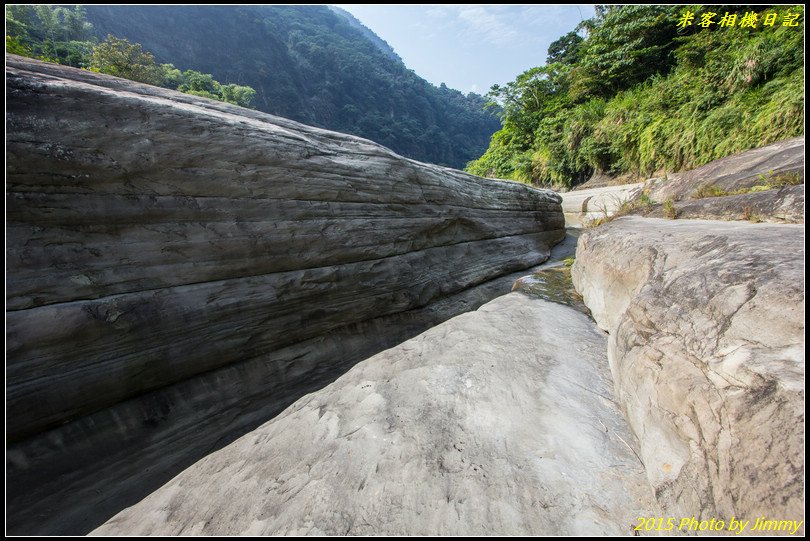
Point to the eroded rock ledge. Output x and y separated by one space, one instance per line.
706 346
177 265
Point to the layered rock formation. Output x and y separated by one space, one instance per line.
179 269
706 348
765 184
778 205
496 422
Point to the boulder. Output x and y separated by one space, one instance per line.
706 348
582 206
496 422
180 269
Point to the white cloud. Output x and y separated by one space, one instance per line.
513 26
490 22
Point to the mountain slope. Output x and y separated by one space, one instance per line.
312 65
381 44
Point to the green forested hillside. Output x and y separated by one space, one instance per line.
313 65
381 44
63 35
641 94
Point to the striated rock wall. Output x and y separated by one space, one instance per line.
706 347
178 266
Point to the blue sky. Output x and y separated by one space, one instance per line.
470 47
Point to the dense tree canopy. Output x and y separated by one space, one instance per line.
640 94
124 59
52 33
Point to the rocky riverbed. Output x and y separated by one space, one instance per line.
223 322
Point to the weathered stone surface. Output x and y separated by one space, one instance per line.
499 421
581 206
706 347
743 170
135 446
783 205
155 237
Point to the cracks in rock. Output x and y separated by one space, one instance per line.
607 431
590 391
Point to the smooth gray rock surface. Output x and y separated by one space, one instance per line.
706 347
172 259
499 421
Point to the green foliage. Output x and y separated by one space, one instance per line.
50 33
627 46
171 76
780 180
669 209
203 84
565 50
15 46
237 94
63 36
709 191
770 181
121 58
640 98
194 81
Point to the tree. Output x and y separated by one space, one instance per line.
75 24
20 19
195 81
172 77
565 50
50 33
639 96
49 21
61 35
121 58
238 95
627 45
